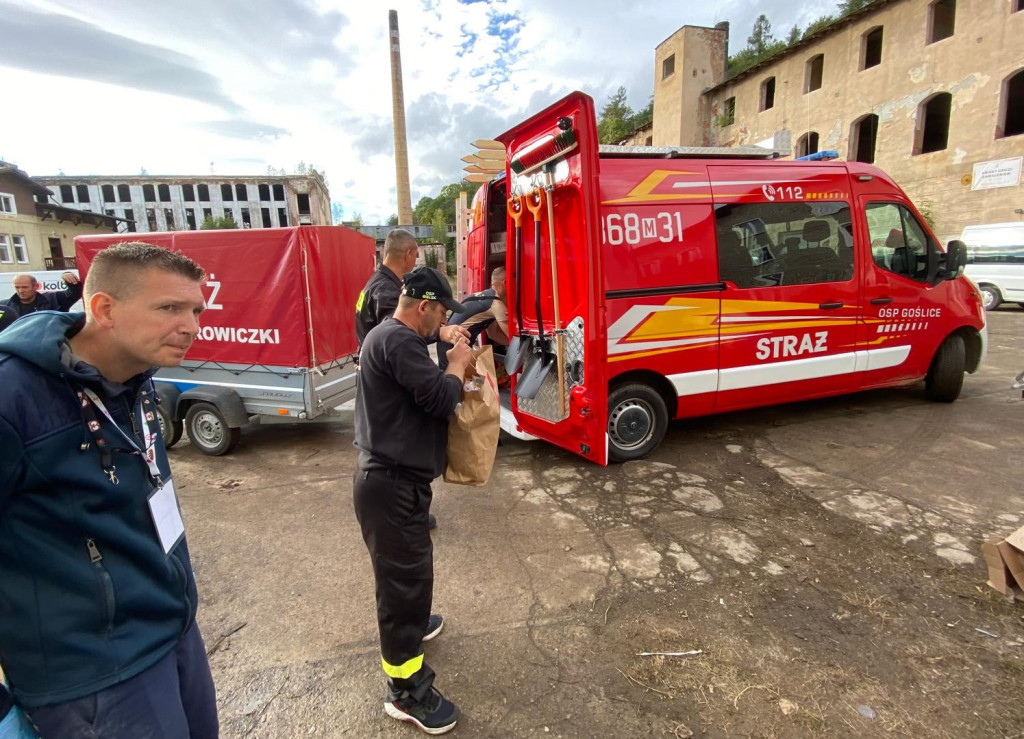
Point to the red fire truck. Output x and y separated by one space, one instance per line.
646 284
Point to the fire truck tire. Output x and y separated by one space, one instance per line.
637 420
990 296
170 428
946 375
208 430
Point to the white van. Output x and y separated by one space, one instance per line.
48 281
995 261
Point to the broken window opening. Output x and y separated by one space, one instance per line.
941 20
872 48
768 94
1012 105
813 73
864 139
807 144
933 123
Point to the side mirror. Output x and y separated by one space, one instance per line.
956 259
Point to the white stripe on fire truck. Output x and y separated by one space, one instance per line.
758 375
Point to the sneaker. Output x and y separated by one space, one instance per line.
435 714
431 521
434 626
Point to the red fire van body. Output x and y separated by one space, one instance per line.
672 283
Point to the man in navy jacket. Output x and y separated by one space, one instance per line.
27 299
97 596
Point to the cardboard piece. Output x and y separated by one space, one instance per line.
1005 560
1016 539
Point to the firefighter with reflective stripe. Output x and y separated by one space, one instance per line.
485 311
403 402
379 298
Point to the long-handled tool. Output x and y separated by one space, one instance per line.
520 346
549 187
539 365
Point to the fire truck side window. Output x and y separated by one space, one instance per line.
898 242
788 243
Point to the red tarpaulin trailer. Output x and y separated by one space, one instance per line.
277 339
277 296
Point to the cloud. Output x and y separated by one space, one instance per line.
39 41
238 128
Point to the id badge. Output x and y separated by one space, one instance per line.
163 507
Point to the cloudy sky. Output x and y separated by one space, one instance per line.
232 87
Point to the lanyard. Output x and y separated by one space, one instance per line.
89 400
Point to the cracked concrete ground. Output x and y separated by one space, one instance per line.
557 573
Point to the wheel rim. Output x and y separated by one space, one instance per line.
988 298
631 424
207 429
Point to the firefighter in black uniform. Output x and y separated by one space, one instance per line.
379 297
403 402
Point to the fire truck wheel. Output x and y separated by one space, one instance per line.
209 431
637 419
990 297
170 428
946 375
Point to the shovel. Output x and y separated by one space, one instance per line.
520 346
537 367
549 180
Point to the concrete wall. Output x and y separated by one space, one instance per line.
293 185
986 48
699 61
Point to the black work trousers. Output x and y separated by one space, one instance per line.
392 513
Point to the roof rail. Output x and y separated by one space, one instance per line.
690 152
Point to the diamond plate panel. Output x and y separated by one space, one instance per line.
545 405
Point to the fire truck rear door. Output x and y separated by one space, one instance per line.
553 163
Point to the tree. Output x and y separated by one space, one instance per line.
424 210
760 37
815 26
337 213
392 220
211 223
614 123
794 35
850 6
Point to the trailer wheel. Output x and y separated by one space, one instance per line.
170 428
990 297
208 430
637 420
946 375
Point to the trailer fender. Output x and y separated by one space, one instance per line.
225 399
167 394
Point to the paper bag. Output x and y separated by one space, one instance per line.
474 427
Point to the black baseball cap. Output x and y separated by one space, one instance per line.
426 283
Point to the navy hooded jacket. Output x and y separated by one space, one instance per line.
88 598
